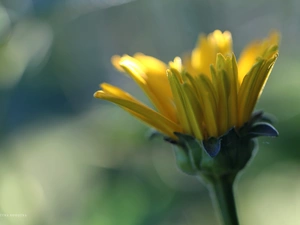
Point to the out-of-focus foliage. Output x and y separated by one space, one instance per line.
25 47
67 158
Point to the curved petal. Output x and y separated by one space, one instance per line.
254 50
176 87
139 110
252 87
153 66
204 54
150 74
156 92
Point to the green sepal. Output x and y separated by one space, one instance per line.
215 157
193 147
152 134
260 124
183 160
212 146
222 156
235 152
263 129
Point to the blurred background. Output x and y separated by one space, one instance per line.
67 158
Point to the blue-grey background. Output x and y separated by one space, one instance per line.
67 158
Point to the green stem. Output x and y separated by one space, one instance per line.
221 189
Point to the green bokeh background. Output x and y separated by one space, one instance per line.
67 158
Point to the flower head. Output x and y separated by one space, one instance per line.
204 96
204 106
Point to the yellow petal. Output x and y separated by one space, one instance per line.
256 86
144 113
224 90
115 60
193 110
210 115
176 64
179 101
157 90
254 50
232 75
247 59
206 95
155 76
245 90
187 78
262 80
187 64
204 55
205 52
115 91
153 66
235 71
223 41
226 83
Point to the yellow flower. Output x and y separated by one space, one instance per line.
203 96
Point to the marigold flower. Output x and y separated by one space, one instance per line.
205 95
